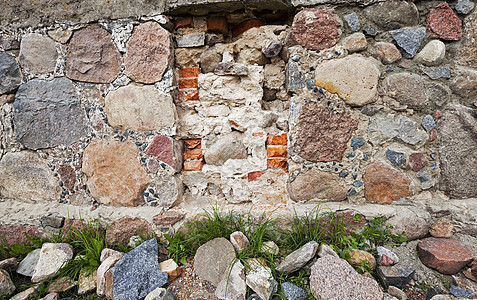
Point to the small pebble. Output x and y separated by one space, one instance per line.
343 174
358 183
351 192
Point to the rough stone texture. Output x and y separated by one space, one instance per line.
293 292
457 131
232 89
48 114
26 177
353 21
10 75
171 268
160 294
442 228
167 150
226 68
468 47
169 189
92 56
191 40
464 6
465 83
407 89
333 278
386 127
239 241
227 147
140 108
298 258
315 29
432 54
436 73
445 255
104 163
7 287
317 185
269 247
409 39
412 224
28 264
386 255
394 14
417 161
326 250
397 275
357 90
272 49
68 177
387 53
120 231
443 23
9 42
52 258
27 294
274 75
209 59
61 285
322 135
149 53
169 217
232 285
398 159
137 273
213 258
87 281
61 35
384 185
355 42
105 266
9 264
261 281
358 256
461 292
37 54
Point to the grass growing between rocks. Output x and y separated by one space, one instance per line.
341 232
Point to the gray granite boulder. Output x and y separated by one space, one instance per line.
10 75
137 273
298 258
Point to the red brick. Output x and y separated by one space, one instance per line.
189 83
189 95
277 163
184 22
193 143
258 134
246 25
193 153
280 139
189 72
277 151
217 24
254 176
193 165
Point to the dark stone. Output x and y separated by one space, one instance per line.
10 75
254 297
293 78
371 110
396 275
322 135
8 42
358 183
293 292
409 39
437 73
398 159
351 192
428 122
353 21
460 292
52 220
438 95
343 174
48 113
273 49
431 292
457 131
370 30
394 14
138 273
357 143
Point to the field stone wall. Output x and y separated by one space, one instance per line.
162 108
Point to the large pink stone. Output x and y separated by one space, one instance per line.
115 175
315 29
15 234
167 150
383 184
443 23
149 53
445 255
92 56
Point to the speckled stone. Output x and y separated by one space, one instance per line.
10 75
334 279
38 54
315 29
398 159
443 23
437 73
460 292
417 161
293 292
353 21
409 39
388 15
137 273
52 258
444 255
428 122
464 6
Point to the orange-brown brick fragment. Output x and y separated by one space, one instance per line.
193 143
193 153
279 140
246 25
277 151
254 176
189 95
193 165
188 83
184 22
277 163
189 72
217 24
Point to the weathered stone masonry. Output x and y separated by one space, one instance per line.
137 108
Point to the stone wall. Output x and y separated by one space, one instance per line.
143 107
